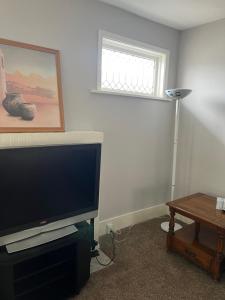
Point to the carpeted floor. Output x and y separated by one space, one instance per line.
144 270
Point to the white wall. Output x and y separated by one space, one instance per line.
137 149
201 165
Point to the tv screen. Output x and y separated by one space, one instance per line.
45 184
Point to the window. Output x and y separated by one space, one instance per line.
130 67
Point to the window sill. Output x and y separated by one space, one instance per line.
140 96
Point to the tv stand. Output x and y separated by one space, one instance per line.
55 270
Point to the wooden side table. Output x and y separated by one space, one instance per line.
203 241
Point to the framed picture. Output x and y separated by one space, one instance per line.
30 88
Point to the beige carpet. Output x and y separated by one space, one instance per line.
144 270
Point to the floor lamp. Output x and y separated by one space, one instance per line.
177 95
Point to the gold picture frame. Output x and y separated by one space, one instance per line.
30 88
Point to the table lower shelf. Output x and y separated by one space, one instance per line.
202 251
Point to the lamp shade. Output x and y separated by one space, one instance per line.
177 93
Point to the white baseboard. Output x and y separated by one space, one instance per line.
180 217
183 219
130 219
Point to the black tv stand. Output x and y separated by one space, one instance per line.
55 270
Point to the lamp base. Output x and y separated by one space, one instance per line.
165 226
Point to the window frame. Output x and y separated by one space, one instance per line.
143 50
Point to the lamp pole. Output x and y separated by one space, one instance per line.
177 95
175 145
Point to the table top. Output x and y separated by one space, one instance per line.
200 207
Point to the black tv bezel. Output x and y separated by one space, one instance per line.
42 222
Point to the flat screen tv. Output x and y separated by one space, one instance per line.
40 185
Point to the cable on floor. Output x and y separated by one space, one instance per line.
119 232
112 235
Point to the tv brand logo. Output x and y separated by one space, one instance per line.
43 222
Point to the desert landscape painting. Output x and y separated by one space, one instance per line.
30 88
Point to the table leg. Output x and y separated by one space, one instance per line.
171 229
219 254
197 230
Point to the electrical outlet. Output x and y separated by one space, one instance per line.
109 228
